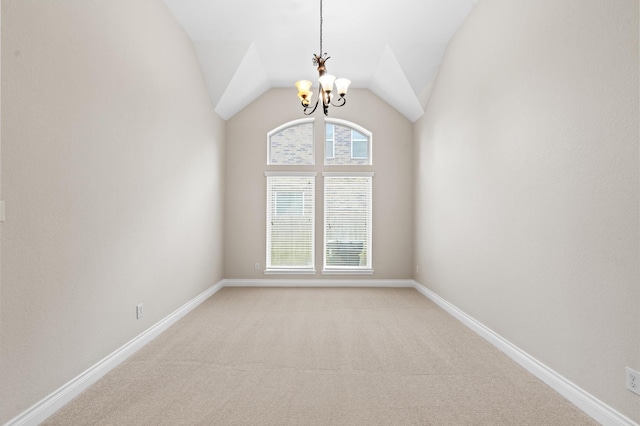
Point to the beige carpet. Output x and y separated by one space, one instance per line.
319 356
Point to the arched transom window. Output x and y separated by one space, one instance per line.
291 144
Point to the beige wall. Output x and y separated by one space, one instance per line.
525 166
527 184
112 173
245 206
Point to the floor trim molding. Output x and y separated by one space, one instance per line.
52 403
591 405
302 282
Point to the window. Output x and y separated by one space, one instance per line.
346 144
359 145
328 142
290 219
347 222
292 144
290 222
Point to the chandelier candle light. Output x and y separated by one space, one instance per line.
326 82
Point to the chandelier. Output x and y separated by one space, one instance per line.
325 81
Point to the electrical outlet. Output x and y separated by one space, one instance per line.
256 266
139 311
633 380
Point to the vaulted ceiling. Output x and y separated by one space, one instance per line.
246 47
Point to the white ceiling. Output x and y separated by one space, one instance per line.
246 47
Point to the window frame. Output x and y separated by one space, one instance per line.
298 270
348 270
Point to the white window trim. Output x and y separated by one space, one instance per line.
350 271
290 271
345 270
348 174
302 270
276 173
286 126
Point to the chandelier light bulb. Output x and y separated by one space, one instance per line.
326 81
303 86
342 85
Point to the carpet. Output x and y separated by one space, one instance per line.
319 356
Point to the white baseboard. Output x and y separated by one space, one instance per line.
591 405
52 403
302 282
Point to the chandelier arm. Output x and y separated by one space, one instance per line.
342 100
306 107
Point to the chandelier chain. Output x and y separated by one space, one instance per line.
320 53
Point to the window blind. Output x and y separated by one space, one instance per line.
290 222
347 221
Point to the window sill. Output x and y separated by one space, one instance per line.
347 272
290 272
